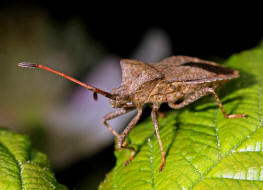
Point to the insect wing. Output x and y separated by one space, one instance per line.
136 73
191 69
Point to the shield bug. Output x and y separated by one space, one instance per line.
177 80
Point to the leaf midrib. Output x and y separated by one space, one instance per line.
151 161
17 163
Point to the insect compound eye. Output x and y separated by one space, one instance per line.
115 103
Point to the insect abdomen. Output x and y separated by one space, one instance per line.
172 91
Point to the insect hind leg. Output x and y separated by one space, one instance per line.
200 94
210 90
187 100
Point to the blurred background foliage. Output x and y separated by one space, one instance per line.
87 41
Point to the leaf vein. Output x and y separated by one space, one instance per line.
217 136
195 169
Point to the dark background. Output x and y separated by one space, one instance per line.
195 29
210 31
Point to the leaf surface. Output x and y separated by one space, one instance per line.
21 167
203 149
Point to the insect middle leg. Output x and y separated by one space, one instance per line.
121 139
156 126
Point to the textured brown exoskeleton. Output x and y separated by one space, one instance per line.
175 79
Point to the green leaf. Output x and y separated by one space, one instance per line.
21 167
203 149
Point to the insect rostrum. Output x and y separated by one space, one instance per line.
175 78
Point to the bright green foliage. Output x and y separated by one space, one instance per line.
21 167
203 149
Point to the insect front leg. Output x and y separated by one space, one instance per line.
113 115
121 140
156 126
210 90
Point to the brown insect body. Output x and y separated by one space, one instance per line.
175 78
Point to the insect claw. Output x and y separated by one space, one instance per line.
124 143
128 148
236 116
126 162
131 157
161 167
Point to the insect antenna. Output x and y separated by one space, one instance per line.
89 87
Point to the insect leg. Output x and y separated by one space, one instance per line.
178 106
156 125
125 133
210 90
200 94
112 115
188 100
